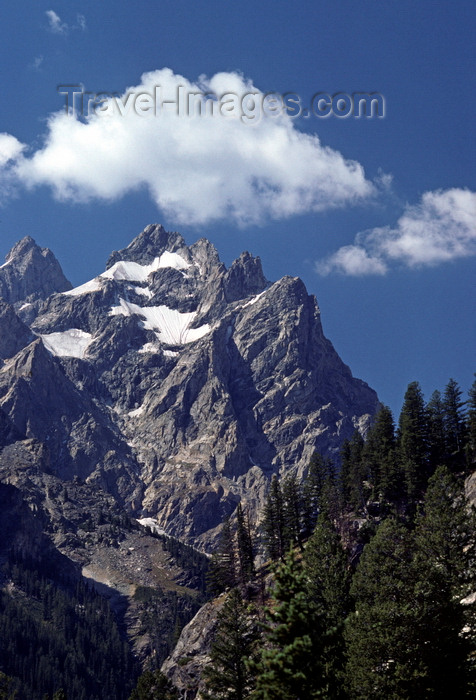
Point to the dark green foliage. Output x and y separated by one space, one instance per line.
153 685
437 448
352 474
410 635
313 486
7 691
273 522
227 676
413 442
290 665
328 575
163 615
222 572
381 635
244 546
445 574
455 426
471 428
54 636
380 464
292 512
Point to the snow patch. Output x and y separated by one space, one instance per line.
150 522
143 291
70 343
172 327
149 348
171 353
134 272
136 412
86 288
24 306
253 300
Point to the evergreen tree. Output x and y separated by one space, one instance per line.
245 547
455 425
436 431
412 442
222 571
273 521
471 428
227 677
383 654
445 575
290 665
153 685
329 577
379 458
6 687
292 512
314 483
353 474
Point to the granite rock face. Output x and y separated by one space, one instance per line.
175 384
30 273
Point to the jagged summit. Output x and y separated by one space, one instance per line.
177 384
148 245
30 273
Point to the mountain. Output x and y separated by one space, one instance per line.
30 273
175 384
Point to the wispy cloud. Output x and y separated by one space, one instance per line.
196 169
57 26
36 63
442 227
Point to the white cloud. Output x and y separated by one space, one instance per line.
442 227
36 63
80 22
55 25
197 169
10 149
10 152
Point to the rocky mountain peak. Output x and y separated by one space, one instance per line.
176 384
148 245
30 273
245 277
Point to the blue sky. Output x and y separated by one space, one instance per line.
378 215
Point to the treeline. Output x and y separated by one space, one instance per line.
377 602
59 638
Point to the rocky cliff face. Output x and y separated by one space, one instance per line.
30 273
173 383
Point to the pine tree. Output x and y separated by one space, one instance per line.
292 512
227 677
153 685
222 571
455 425
383 658
471 428
6 687
328 573
445 575
245 547
413 442
290 665
352 474
436 431
379 458
273 522
313 485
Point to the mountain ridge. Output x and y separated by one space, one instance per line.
177 384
